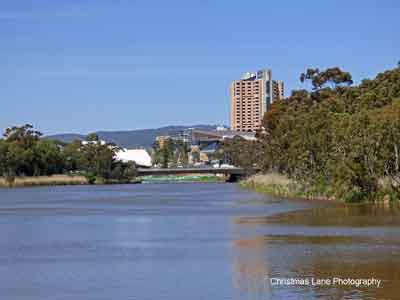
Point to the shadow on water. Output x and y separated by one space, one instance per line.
341 241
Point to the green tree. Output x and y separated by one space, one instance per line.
240 152
332 76
47 158
18 152
336 140
97 159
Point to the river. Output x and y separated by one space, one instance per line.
190 241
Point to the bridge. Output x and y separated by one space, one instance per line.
232 174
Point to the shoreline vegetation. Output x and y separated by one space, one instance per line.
275 184
57 180
26 159
279 185
25 181
60 180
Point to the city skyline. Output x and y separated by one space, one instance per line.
80 67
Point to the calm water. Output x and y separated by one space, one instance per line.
189 241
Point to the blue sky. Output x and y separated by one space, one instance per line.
81 66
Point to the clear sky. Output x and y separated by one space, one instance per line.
85 65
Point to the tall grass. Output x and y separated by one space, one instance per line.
270 179
279 185
42 180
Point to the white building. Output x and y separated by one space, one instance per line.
140 156
101 142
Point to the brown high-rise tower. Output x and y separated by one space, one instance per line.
250 98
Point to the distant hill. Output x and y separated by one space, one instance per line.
131 138
65 137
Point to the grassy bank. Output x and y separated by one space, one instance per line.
279 185
42 180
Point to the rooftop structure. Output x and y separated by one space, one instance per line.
207 142
140 156
201 136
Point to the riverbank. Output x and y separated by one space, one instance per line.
58 180
43 181
281 186
28 181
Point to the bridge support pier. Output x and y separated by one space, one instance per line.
233 177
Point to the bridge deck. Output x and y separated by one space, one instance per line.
227 171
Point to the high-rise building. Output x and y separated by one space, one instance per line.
251 97
277 88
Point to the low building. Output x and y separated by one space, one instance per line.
206 137
184 136
140 156
207 152
208 141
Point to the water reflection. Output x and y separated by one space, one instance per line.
250 268
334 215
322 243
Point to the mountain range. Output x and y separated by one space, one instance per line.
130 138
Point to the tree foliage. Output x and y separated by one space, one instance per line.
170 153
332 76
24 153
337 140
240 152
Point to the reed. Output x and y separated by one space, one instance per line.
279 185
42 180
269 179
